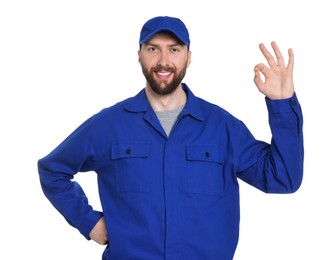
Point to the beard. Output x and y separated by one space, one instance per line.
163 88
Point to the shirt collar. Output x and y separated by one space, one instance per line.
139 103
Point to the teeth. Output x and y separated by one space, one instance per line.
163 73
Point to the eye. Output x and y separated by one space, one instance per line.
174 49
151 49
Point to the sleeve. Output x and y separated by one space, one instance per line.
276 167
56 172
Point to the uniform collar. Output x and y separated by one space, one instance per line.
139 103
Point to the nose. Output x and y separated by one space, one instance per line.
164 58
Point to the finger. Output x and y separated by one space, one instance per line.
257 80
290 65
260 68
267 55
278 54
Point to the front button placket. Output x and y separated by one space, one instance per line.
171 202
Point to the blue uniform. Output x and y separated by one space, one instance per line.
173 197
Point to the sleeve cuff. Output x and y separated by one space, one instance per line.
286 105
89 223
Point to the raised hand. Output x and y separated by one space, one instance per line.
278 78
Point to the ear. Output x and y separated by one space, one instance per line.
189 58
139 60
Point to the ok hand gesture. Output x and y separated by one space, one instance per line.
278 78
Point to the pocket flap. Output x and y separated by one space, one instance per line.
207 153
130 150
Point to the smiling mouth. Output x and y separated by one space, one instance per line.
163 74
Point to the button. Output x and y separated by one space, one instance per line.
128 151
207 154
294 102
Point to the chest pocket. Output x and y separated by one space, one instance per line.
131 166
205 169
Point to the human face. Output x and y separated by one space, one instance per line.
164 61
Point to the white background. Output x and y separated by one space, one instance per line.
62 61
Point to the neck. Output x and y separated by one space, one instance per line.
166 102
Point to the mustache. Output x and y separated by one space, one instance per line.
165 68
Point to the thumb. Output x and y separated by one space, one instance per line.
260 68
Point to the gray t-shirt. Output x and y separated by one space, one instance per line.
168 118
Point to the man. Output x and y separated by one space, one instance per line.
167 161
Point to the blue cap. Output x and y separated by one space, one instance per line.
164 24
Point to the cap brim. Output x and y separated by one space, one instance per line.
149 36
